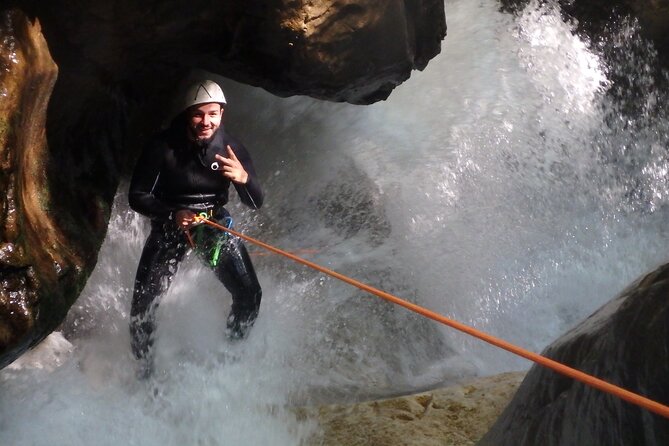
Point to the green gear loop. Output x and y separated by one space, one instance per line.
211 253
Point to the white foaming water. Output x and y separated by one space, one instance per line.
497 187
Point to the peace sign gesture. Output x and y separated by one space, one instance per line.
232 168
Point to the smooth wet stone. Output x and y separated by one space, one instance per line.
626 343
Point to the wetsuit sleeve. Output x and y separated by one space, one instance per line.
142 194
250 193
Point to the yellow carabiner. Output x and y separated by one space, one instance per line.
200 217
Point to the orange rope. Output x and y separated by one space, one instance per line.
295 252
558 367
190 238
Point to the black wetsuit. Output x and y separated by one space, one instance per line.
173 174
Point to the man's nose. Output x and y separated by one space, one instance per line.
206 120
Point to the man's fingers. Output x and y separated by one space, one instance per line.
231 167
231 153
227 161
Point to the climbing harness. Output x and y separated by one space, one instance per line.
624 394
207 241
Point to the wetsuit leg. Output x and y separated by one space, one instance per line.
163 251
236 272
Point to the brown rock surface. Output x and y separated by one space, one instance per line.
36 258
341 50
454 416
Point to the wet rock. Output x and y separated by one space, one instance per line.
626 342
36 258
344 50
18 309
351 204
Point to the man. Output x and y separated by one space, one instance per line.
184 176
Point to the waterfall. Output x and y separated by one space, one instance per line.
502 187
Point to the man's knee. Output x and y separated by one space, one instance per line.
248 300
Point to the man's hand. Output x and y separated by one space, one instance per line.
232 168
185 219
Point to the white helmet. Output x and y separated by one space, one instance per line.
202 93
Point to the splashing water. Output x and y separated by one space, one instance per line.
501 187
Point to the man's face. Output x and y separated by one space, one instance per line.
203 120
